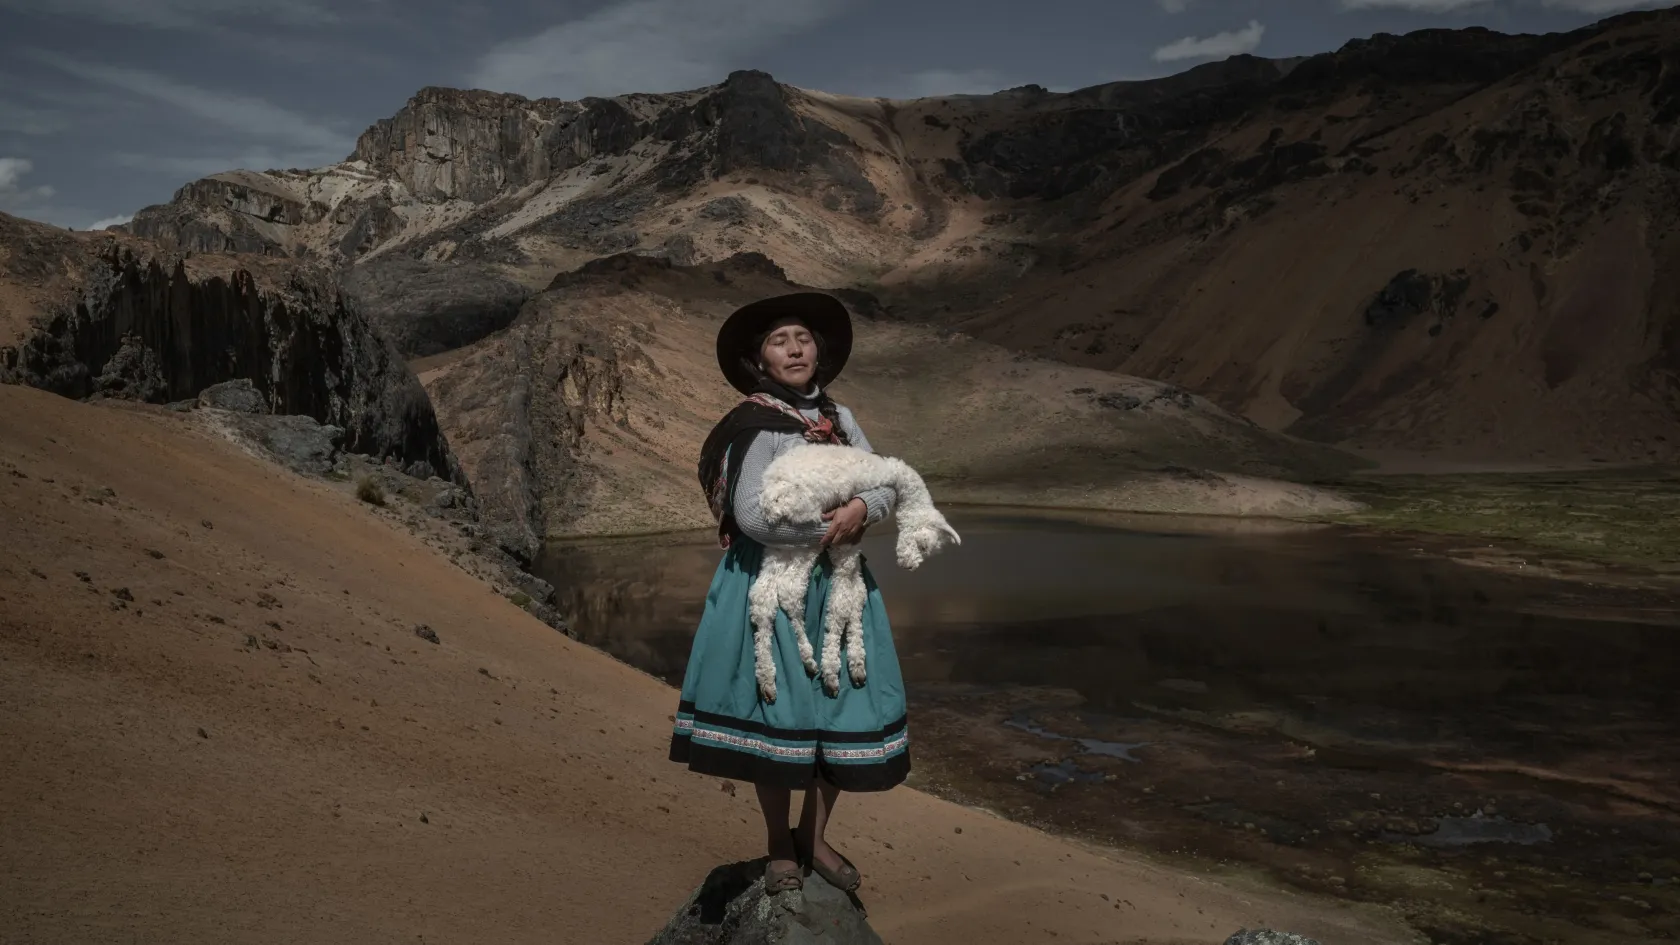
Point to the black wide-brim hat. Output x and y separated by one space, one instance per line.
824 314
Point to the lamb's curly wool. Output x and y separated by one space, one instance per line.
800 486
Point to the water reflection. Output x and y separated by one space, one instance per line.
1317 619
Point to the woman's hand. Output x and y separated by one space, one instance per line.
846 523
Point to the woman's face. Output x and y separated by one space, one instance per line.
789 354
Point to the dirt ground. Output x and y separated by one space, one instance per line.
221 725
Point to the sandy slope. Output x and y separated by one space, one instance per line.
173 777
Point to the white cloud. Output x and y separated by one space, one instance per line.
243 115
1217 46
13 170
110 221
180 14
646 46
1445 6
14 197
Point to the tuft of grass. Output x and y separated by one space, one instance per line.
370 491
1618 517
520 598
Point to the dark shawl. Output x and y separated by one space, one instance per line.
733 435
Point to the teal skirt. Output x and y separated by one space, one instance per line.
857 739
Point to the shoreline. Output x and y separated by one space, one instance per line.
1498 549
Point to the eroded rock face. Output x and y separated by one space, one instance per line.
142 325
519 407
467 145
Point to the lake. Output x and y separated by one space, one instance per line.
1495 754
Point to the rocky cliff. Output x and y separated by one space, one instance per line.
1242 230
112 316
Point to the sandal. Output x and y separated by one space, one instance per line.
845 878
782 880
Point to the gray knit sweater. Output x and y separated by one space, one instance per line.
769 444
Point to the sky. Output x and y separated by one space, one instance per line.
107 106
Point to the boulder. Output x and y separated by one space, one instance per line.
238 395
731 908
296 441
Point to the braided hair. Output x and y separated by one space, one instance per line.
826 406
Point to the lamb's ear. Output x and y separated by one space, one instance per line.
947 529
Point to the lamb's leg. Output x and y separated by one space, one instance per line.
792 584
843 618
761 607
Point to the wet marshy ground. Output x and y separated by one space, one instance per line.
1496 755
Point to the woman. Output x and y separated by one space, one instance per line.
783 352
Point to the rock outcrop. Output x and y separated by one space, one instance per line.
114 317
1268 937
731 908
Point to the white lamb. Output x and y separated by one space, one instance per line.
799 486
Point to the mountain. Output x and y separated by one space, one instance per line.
1453 241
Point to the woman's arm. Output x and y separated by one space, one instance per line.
749 516
882 499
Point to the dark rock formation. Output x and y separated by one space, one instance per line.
132 373
1268 937
1411 293
731 908
151 330
427 308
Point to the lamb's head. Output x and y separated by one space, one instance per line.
922 535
